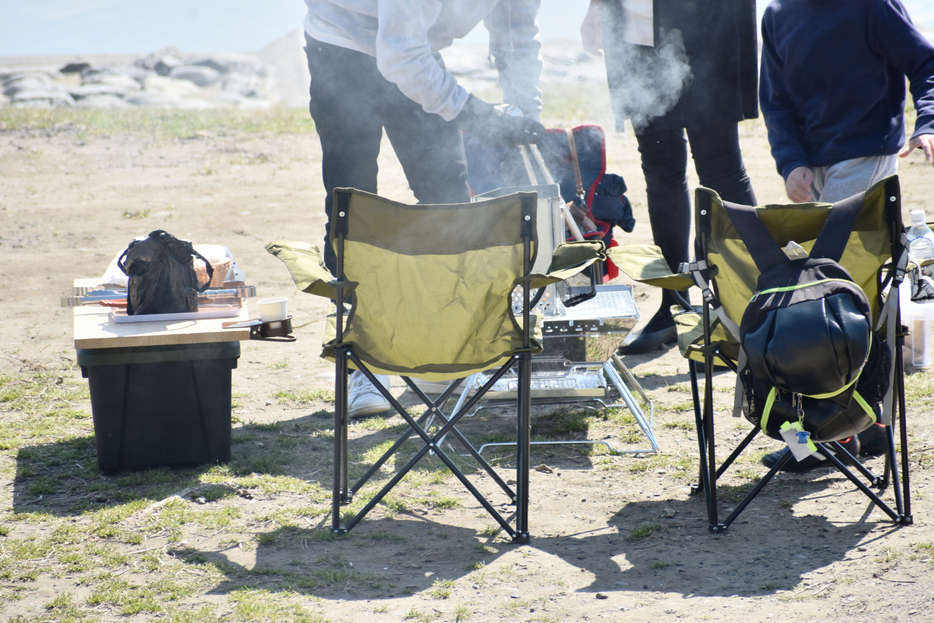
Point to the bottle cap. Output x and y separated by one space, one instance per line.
917 216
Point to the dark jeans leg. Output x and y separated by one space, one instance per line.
664 163
719 165
719 162
344 103
351 103
431 152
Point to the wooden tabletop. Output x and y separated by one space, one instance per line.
94 328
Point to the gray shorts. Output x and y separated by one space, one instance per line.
845 179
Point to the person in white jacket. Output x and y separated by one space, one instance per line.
375 65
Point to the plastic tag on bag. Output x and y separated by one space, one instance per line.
795 251
798 440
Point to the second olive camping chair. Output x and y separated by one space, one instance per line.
438 292
727 275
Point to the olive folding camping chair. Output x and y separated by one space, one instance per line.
726 274
431 291
727 277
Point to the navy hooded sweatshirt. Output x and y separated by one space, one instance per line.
832 82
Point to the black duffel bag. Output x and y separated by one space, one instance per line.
161 272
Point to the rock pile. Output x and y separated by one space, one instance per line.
275 75
165 79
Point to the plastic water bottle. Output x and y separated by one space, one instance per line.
920 237
921 247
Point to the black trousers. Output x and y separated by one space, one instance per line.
719 166
351 104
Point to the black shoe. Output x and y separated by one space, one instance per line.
874 441
659 330
647 341
814 461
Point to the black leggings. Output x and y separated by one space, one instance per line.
719 166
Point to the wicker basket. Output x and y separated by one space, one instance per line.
220 272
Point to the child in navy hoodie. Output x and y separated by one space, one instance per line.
832 91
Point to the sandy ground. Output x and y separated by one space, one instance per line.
810 549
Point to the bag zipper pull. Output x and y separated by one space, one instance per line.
797 401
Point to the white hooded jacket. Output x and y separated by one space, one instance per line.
407 36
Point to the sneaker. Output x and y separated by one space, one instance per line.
363 398
814 461
873 441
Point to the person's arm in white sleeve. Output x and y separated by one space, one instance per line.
403 56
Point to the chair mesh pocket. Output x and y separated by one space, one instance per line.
922 284
577 289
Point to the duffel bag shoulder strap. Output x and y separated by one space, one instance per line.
762 247
832 240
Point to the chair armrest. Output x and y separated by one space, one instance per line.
306 266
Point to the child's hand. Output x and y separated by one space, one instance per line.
925 142
798 185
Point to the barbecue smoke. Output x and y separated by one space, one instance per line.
648 81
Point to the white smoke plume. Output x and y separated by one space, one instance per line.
649 81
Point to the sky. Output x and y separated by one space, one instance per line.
73 27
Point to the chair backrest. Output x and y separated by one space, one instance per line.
870 244
432 284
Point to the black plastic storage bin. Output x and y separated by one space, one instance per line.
157 406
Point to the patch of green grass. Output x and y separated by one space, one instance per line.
422 617
372 424
687 425
889 554
644 530
749 474
441 588
447 503
131 599
278 365
305 396
659 564
734 493
219 518
384 535
161 123
919 389
489 530
136 214
620 417
679 387
261 605
678 466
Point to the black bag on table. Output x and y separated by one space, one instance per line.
161 274
807 334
